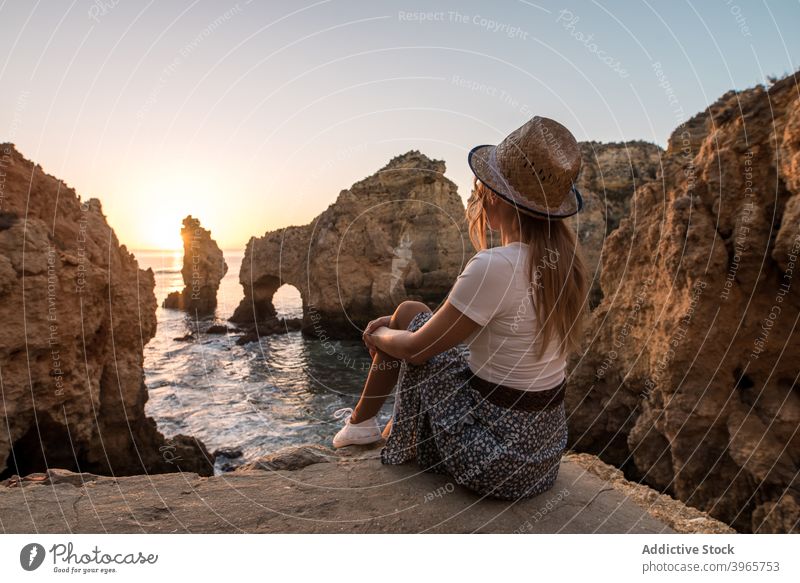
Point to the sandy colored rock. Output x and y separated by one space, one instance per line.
677 515
351 493
291 458
203 269
76 310
398 234
689 379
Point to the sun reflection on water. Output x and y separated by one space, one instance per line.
257 398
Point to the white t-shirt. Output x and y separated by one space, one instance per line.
494 291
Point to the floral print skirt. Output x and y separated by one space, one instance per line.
448 427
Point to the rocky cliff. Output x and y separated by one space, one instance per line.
689 380
398 234
76 312
203 268
610 174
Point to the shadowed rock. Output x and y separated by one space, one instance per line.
76 311
203 269
689 380
610 174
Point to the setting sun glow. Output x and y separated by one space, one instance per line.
171 197
163 233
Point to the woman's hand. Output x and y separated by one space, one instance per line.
443 330
371 327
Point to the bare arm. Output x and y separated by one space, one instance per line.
445 329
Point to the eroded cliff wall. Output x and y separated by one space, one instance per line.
610 174
689 379
76 313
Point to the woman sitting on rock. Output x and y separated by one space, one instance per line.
480 382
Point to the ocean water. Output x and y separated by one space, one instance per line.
257 398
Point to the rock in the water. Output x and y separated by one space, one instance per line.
398 234
228 452
268 327
689 380
219 329
203 268
76 310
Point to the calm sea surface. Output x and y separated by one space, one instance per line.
256 398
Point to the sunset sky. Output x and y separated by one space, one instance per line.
253 116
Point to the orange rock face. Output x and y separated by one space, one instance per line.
690 376
76 313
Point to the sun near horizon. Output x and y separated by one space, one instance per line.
169 198
201 109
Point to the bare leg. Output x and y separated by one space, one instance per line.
385 369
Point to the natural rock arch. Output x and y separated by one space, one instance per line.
286 299
396 235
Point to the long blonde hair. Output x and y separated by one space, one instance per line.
556 270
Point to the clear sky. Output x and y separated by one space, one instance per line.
254 115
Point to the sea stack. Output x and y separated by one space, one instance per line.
203 268
76 312
398 234
689 379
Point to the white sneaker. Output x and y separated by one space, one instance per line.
367 431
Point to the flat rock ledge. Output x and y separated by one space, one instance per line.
312 489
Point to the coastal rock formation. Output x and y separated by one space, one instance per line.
203 268
610 173
309 489
401 234
398 234
690 376
76 311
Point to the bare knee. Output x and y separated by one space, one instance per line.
405 312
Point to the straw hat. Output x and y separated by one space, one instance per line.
534 168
